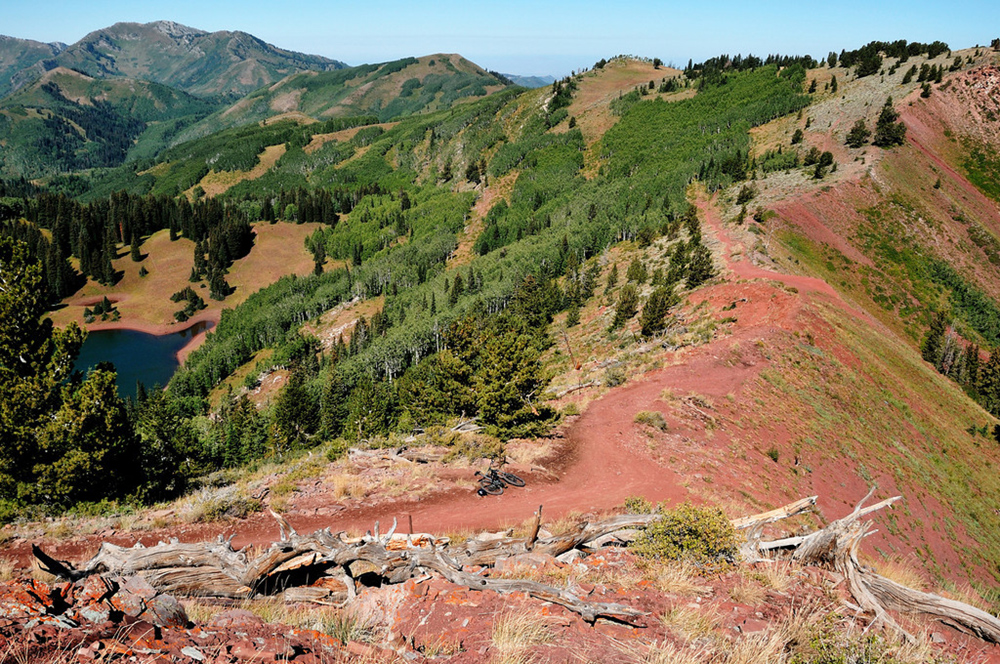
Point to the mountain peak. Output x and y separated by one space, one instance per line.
174 29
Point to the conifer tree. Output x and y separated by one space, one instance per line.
859 134
888 132
700 266
653 314
627 306
930 349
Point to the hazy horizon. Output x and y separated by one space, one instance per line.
532 39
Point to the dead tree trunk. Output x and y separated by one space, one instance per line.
215 569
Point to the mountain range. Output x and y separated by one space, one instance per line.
130 90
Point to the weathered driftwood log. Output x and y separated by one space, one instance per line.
317 567
214 569
837 545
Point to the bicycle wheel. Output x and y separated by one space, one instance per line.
492 488
511 478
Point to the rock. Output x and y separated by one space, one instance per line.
166 611
244 649
938 637
751 625
193 653
361 649
235 618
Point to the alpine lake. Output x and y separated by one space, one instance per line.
138 356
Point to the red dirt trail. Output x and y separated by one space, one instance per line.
602 460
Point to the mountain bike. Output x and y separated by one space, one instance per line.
494 481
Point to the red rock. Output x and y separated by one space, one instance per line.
235 618
361 649
166 611
751 625
277 649
244 649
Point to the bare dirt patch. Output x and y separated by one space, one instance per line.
219 182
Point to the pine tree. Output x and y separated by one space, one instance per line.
888 132
653 314
612 279
859 134
295 413
573 315
457 289
930 349
508 385
637 272
989 382
134 252
627 306
700 266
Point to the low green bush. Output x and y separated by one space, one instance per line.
699 534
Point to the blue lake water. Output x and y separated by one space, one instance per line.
138 356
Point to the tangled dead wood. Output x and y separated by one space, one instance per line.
324 566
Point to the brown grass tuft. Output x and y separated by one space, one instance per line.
516 634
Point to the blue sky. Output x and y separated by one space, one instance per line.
523 37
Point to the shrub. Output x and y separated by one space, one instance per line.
638 505
337 449
699 534
773 453
614 376
651 418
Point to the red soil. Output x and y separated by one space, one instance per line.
604 457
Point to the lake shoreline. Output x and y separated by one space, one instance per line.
161 330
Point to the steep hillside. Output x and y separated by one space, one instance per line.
388 90
712 286
903 232
201 63
68 121
19 56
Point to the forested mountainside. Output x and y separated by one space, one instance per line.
206 64
66 121
771 277
18 57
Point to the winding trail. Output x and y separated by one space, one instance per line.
602 460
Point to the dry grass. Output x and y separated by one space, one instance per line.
516 634
342 624
200 613
759 648
349 486
691 623
896 569
674 577
969 595
7 569
218 182
38 574
777 576
528 453
748 592
661 653
278 250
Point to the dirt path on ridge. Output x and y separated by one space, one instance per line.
602 460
